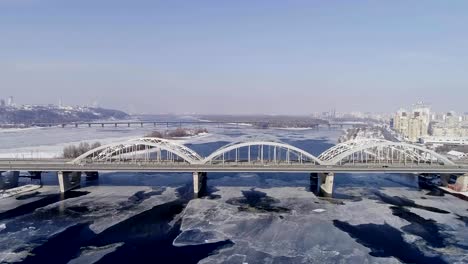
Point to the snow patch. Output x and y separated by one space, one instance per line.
319 210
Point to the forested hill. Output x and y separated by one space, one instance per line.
53 114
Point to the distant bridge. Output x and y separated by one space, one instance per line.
167 124
162 155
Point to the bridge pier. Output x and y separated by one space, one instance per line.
199 183
461 185
322 183
326 183
68 180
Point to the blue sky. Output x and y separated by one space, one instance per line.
276 57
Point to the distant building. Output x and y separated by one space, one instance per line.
413 124
2 103
400 121
10 101
445 140
451 126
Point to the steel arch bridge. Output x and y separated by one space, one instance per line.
354 152
261 152
141 149
381 151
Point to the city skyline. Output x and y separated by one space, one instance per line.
235 58
10 101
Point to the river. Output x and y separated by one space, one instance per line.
243 217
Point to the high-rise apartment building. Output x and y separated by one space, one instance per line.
413 124
10 101
452 126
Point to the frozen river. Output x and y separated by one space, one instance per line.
244 218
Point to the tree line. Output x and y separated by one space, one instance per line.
74 151
179 132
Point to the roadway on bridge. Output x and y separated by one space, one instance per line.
65 165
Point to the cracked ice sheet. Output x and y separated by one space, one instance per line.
102 203
300 235
451 227
37 143
10 203
249 134
94 254
42 136
455 206
105 204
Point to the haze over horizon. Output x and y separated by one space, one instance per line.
239 57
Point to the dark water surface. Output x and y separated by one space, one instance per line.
146 237
386 241
256 201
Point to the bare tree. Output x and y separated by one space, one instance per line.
156 134
72 151
179 132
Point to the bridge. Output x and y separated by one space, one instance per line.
167 124
162 155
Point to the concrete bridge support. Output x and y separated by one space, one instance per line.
326 183
68 180
461 184
322 183
199 183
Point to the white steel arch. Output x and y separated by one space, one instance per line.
147 144
299 153
354 151
380 150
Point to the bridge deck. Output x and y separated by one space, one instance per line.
64 165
